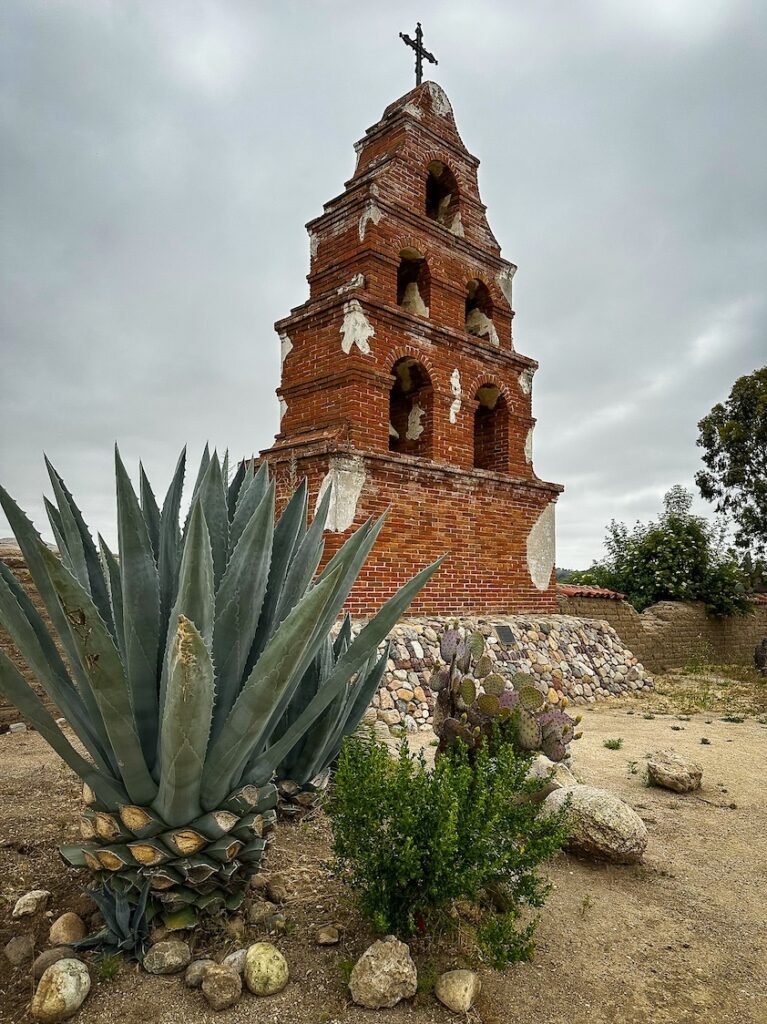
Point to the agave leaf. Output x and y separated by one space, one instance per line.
204 463
33 642
73 551
170 544
305 561
360 650
238 605
112 570
150 511
186 724
17 690
212 495
250 497
344 637
233 490
271 682
93 568
141 610
57 529
35 552
97 651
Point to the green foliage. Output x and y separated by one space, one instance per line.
733 437
126 924
107 967
613 744
678 557
412 841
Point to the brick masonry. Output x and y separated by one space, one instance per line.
674 634
401 384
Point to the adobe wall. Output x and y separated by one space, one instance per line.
672 634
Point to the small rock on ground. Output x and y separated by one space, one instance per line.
167 957
61 991
51 956
236 960
31 903
266 969
20 949
457 990
602 825
383 975
671 771
67 929
195 971
221 986
328 936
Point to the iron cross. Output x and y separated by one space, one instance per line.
420 53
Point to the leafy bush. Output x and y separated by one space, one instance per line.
413 841
678 557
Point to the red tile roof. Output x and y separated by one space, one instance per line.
582 590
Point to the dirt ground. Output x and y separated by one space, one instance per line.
680 938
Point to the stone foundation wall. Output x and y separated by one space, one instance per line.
581 659
674 634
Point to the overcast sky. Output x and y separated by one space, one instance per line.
161 157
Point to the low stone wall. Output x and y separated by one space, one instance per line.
675 634
581 659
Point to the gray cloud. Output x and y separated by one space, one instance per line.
159 162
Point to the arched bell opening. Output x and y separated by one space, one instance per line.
491 430
442 197
479 311
413 283
411 404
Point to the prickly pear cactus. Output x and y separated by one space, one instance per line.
474 700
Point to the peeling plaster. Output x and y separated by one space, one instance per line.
541 550
504 278
314 244
413 110
283 408
481 326
371 212
356 328
456 228
440 104
347 477
414 425
526 380
455 387
286 347
529 445
412 301
358 281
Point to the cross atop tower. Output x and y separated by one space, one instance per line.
420 52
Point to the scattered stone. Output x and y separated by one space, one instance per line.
31 903
277 889
158 934
329 935
66 929
51 956
276 923
235 927
259 881
555 775
20 949
266 969
221 986
236 960
61 991
457 990
17 727
602 825
383 975
259 913
167 957
195 972
670 771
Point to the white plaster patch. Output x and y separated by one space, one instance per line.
504 278
314 244
456 228
412 301
526 380
358 281
481 326
541 548
414 110
455 387
414 425
286 347
529 445
371 213
356 328
283 408
440 104
347 477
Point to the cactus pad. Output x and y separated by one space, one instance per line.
449 644
528 731
439 679
483 667
553 748
520 679
488 704
476 645
509 699
468 691
494 683
531 699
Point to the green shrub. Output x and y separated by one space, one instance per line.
412 841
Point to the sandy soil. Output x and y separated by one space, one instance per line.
678 939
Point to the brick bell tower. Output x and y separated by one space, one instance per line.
401 385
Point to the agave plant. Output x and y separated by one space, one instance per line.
185 667
303 775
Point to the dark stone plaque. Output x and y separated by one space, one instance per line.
504 634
